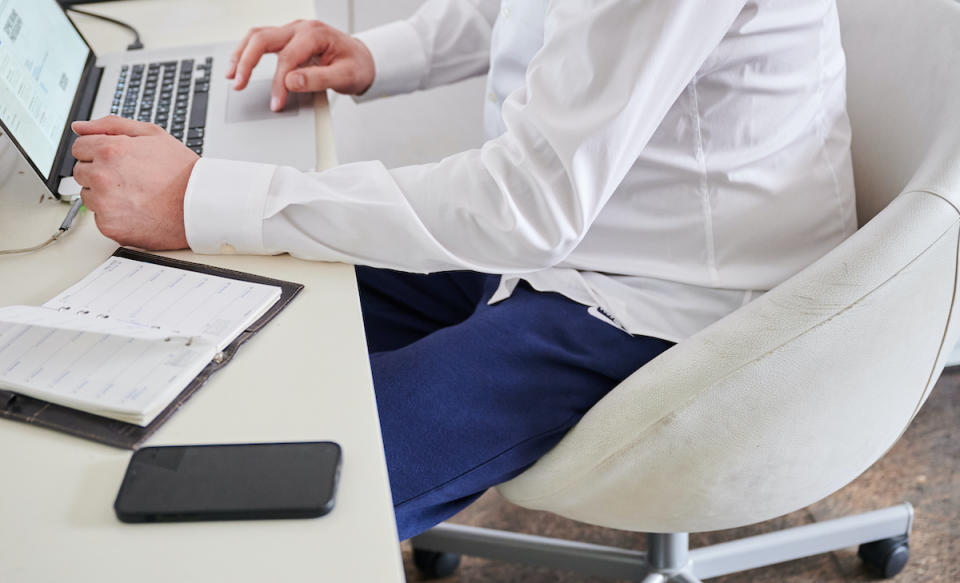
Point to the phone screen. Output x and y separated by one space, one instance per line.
229 482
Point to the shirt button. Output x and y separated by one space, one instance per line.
506 12
492 97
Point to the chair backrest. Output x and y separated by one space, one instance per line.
793 396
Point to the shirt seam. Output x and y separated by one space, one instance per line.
264 199
822 126
704 186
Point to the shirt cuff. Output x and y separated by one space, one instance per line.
399 61
223 206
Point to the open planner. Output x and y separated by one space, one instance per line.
129 339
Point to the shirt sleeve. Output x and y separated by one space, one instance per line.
443 42
594 94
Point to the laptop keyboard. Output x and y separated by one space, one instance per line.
171 94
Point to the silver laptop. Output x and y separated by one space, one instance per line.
49 77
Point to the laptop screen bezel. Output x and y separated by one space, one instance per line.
50 178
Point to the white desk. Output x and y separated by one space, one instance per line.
304 377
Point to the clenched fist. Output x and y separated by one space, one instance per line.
134 176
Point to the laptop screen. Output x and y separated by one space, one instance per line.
42 57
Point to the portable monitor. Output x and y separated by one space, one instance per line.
44 63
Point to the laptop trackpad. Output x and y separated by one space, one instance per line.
253 103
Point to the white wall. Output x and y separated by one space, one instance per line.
408 129
333 12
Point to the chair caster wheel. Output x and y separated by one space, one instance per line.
435 565
888 556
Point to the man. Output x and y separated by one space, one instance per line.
651 166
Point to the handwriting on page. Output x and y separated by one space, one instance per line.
172 299
69 320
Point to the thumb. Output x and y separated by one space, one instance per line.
114 126
337 76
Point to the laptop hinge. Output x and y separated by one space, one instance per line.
82 112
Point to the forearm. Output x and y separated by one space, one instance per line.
417 218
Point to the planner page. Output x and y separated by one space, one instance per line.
126 339
123 371
175 300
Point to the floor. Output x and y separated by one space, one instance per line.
922 468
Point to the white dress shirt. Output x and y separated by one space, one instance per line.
661 161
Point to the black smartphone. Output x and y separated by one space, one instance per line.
229 482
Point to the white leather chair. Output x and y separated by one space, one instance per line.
796 394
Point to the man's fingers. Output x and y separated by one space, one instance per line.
85 147
88 199
235 55
267 40
115 126
297 52
93 176
81 173
339 76
278 94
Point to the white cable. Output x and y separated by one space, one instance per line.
64 227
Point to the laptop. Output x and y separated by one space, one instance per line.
49 77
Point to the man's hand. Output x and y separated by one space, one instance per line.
134 176
311 56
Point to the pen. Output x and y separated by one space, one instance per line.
71 214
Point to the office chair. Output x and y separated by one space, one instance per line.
796 394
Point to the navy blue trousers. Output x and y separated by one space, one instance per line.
471 394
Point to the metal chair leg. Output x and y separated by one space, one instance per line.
802 541
540 551
669 559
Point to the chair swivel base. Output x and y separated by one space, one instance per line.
882 534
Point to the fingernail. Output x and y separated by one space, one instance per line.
275 103
297 81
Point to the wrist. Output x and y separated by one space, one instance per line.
223 206
180 198
398 61
367 68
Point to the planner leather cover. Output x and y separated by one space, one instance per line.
128 435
